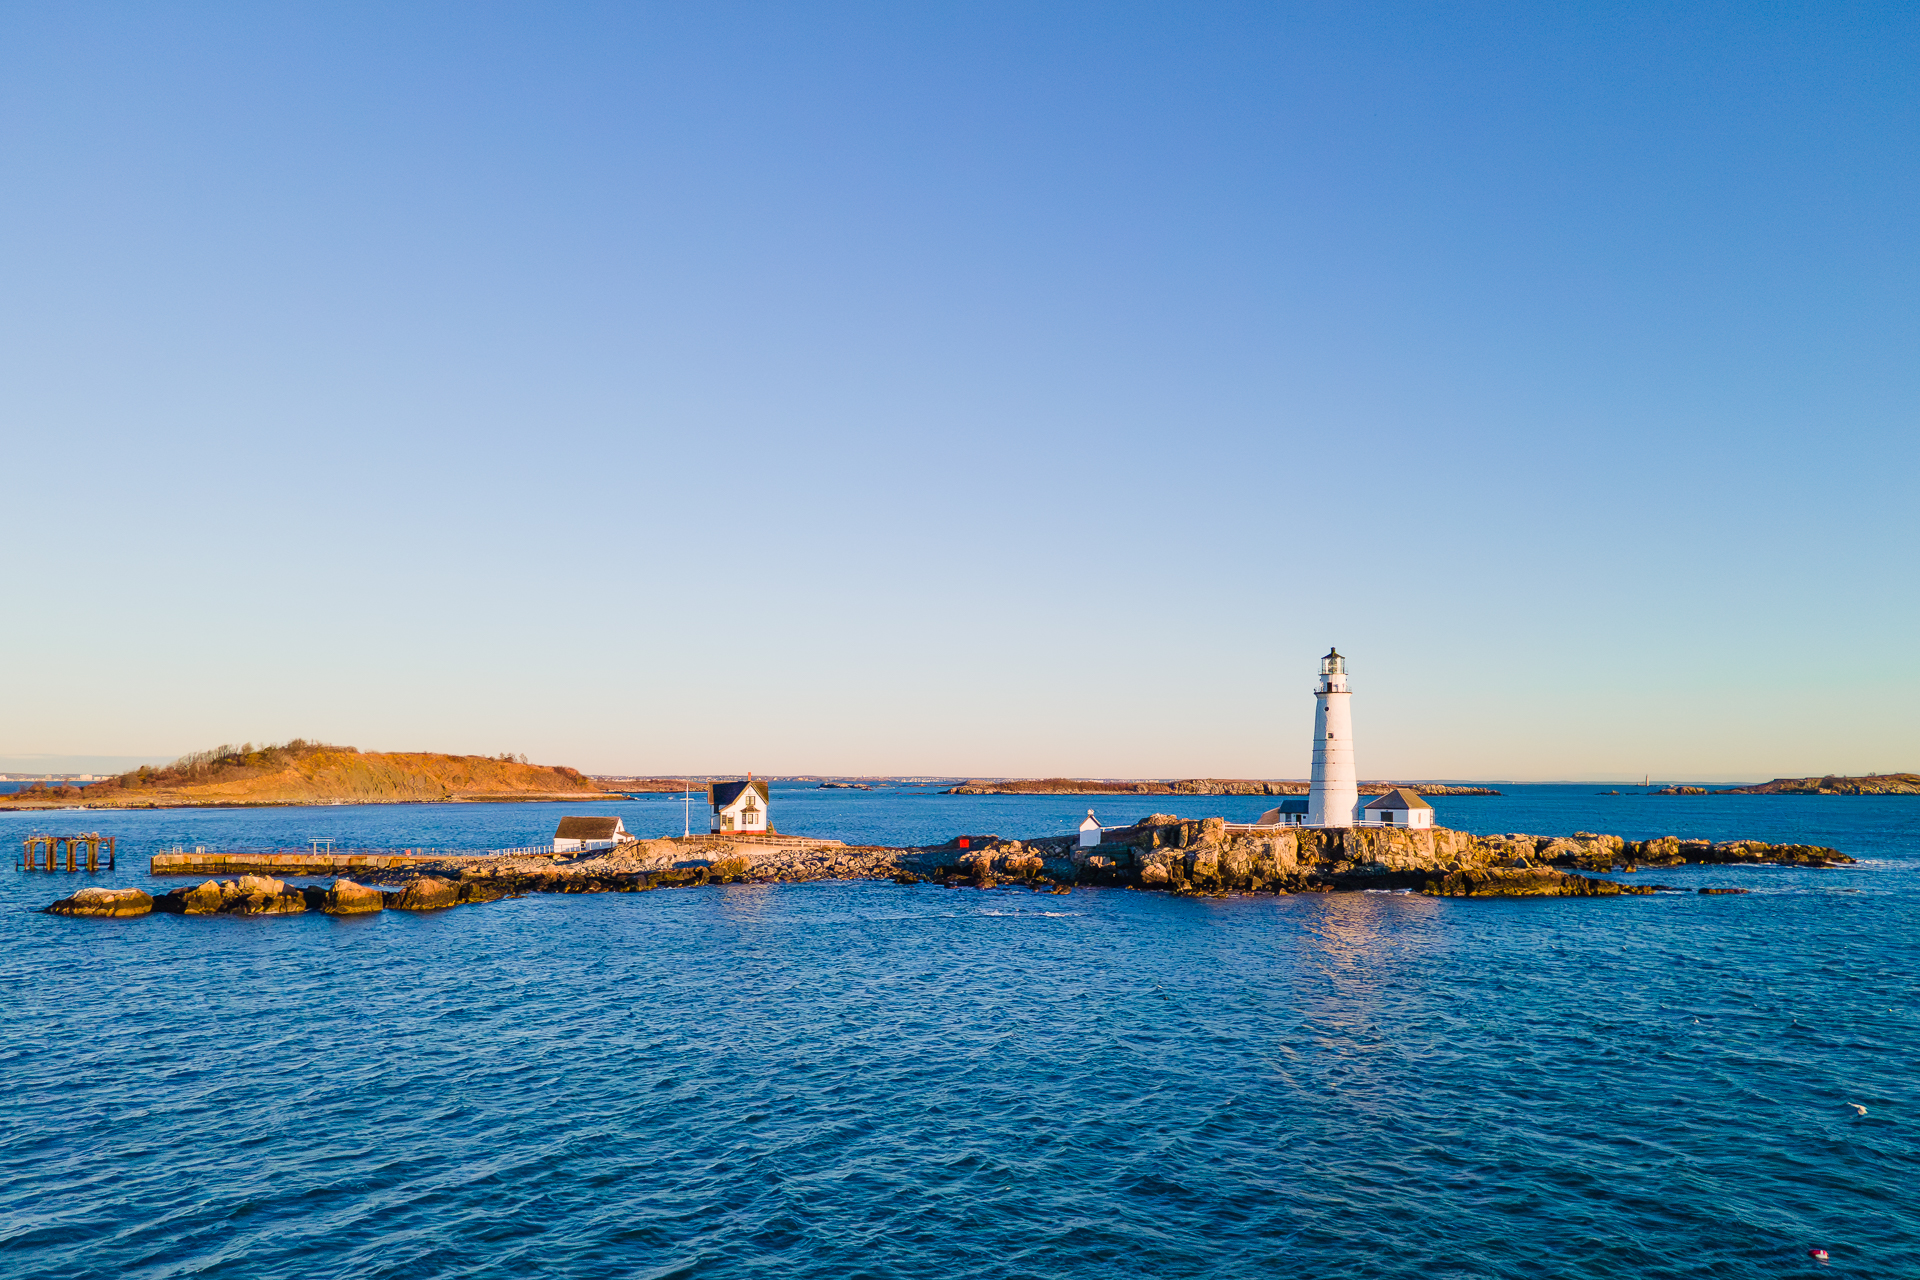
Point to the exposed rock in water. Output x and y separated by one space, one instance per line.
246 896
428 893
1591 852
346 898
96 901
1514 882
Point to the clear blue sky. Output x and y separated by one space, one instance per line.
980 389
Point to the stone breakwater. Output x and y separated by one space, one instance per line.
1162 852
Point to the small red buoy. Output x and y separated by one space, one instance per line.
1818 1255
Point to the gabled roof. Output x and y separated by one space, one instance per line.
589 829
723 794
1298 805
1090 821
1398 798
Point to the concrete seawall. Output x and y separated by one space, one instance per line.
275 864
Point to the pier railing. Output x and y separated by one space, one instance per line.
1292 821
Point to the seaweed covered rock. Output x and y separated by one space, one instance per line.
428 893
1515 882
1799 855
96 901
1590 852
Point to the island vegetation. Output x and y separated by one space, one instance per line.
303 772
1876 784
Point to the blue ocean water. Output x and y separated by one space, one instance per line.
876 1080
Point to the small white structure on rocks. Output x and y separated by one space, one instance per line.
1400 807
1290 813
1090 831
739 806
588 833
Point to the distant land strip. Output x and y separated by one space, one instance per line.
301 772
1874 784
1188 787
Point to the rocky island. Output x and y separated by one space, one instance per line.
1189 787
1877 784
1161 852
301 772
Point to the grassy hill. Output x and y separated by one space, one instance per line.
1878 784
301 772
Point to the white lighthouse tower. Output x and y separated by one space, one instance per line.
1335 792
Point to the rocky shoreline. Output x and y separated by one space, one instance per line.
1160 853
1876 784
1190 787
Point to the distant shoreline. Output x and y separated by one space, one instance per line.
1872 784
56 806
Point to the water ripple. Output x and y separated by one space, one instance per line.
874 1080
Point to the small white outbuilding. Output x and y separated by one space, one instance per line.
1398 808
588 833
1090 831
1289 813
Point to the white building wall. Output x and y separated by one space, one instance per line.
734 817
1334 794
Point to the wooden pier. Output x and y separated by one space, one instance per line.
92 842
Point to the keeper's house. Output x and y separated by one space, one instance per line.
1398 808
739 806
588 833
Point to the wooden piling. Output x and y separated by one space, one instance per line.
55 847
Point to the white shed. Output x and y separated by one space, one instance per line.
1289 813
1090 832
588 833
1398 808
739 806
